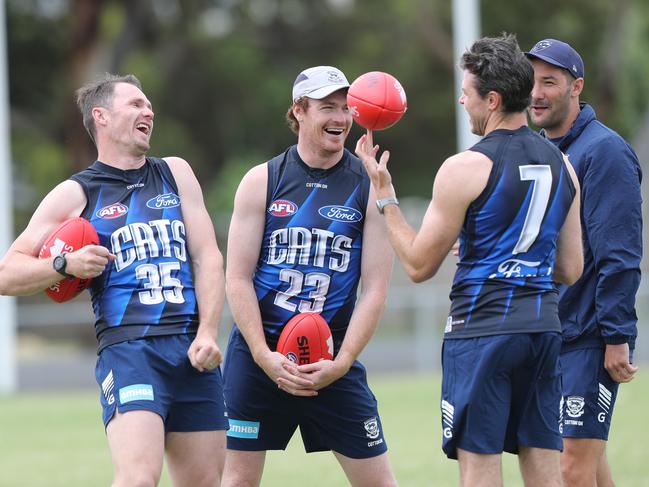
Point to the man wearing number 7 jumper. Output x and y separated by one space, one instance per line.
157 291
513 200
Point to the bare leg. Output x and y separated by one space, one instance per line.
540 467
480 470
195 459
368 472
136 442
580 460
604 476
243 468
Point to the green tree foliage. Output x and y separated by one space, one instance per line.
219 73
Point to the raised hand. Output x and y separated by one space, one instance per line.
378 171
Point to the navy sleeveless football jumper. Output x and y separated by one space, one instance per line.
310 259
148 290
503 283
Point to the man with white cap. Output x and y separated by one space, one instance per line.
305 229
597 313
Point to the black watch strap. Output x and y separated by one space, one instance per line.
60 263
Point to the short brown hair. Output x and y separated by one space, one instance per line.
499 65
292 122
100 93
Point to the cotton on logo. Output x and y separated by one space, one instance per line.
282 208
113 211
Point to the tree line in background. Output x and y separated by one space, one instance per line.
219 75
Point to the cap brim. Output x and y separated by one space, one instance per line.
549 60
324 92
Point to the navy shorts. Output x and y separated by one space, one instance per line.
343 417
500 393
155 374
589 394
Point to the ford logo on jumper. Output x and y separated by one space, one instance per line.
518 268
341 213
162 201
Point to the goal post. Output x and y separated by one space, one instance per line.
8 368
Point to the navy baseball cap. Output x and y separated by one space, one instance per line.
558 54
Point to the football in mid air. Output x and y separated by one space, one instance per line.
377 100
306 338
69 236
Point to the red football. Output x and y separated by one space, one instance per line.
306 338
69 236
377 100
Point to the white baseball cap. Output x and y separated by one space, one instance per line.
319 82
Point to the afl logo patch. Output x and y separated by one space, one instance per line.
341 213
282 208
113 211
162 201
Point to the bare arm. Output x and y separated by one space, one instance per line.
376 268
244 244
458 182
207 265
22 272
569 257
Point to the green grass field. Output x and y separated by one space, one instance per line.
58 440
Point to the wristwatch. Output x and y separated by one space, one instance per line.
59 263
382 203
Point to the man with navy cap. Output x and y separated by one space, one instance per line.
598 312
305 230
